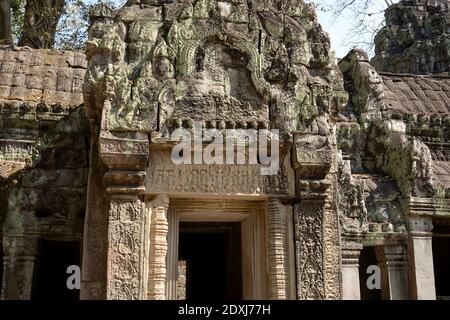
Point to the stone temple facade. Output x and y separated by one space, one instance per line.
87 176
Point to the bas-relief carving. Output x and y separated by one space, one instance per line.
220 179
267 54
208 56
351 201
309 251
126 259
228 64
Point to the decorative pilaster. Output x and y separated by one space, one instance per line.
308 219
350 270
315 220
127 232
128 220
394 272
158 247
421 258
277 250
18 267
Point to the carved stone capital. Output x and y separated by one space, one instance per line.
312 156
392 256
420 226
351 252
160 201
124 153
312 190
125 182
127 160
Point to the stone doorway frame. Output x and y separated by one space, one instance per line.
251 215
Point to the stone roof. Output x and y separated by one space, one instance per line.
441 170
416 94
37 82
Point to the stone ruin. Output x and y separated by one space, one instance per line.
87 177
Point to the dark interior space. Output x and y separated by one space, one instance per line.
366 259
212 252
441 261
50 278
1 266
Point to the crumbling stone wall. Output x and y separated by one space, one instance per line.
44 157
416 38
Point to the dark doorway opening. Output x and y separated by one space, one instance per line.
1 266
50 278
212 253
366 259
441 261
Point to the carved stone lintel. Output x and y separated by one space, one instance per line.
158 248
277 251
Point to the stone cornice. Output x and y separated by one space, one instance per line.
428 207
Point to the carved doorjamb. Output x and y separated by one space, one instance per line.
159 229
277 250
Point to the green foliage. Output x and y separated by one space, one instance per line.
72 28
17 17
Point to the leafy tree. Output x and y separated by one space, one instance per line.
72 29
17 16
5 22
40 22
60 24
366 16
71 33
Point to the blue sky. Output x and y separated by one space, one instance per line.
339 30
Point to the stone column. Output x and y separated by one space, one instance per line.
18 267
421 258
127 238
315 220
95 236
308 219
128 219
394 272
158 248
350 270
277 250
